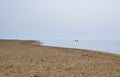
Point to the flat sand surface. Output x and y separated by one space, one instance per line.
29 59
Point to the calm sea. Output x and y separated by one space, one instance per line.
112 46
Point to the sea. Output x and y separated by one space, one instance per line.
111 46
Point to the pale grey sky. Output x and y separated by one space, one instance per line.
60 19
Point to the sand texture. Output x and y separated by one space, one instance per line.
29 59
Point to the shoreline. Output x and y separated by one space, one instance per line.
104 46
40 43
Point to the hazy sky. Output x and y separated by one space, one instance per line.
45 19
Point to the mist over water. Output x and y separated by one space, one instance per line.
112 46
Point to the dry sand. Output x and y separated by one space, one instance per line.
29 59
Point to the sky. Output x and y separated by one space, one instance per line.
60 19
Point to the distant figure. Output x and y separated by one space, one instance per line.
76 43
76 40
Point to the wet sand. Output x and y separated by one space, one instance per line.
27 58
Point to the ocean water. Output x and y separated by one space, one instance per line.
112 46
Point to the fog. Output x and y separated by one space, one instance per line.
60 19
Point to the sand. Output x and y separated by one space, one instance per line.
26 58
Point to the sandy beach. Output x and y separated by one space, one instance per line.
27 58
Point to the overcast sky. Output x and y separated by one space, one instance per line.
60 19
